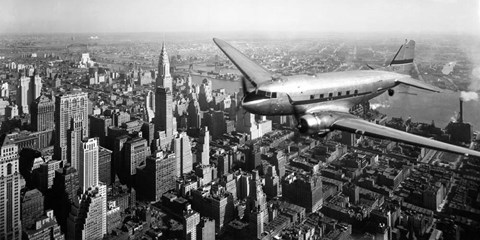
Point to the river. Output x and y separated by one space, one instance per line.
427 106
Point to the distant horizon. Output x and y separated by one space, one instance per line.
246 33
455 17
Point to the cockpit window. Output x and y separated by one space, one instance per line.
267 94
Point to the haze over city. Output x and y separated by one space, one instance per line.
57 16
241 119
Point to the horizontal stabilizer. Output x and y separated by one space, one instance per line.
418 84
405 54
362 127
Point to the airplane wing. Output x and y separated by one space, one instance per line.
254 73
360 126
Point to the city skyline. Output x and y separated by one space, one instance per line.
210 16
131 136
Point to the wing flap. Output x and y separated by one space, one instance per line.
418 84
255 73
360 126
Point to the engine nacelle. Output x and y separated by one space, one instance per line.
316 124
391 92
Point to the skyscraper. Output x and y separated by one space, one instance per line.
29 89
257 201
272 182
74 140
65 189
164 79
149 106
42 111
32 207
157 177
10 225
23 95
194 119
190 219
67 106
203 150
164 120
303 190
164 111
205 96
45 175
88 164
36 86
104 165
88 214
183 154
99 125
206 229
4 92
136 152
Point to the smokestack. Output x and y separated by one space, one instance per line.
460 114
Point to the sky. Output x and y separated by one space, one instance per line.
99 16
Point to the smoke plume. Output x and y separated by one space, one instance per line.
454 117
475 80
468 96
375 106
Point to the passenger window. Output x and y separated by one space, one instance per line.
268 94
339 93
330 95
356 92
312 97
274 95
347 93
321 95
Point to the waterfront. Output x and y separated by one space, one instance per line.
425 106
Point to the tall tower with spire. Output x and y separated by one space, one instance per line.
164 78
164 120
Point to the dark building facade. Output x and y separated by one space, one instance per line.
99 128
65 189
42 114
105 166
32 207
302 190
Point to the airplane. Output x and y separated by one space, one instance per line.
321 103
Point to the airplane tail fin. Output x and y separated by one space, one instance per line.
402 62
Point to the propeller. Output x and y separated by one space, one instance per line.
244 86
296 114
244 92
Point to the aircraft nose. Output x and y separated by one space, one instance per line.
255 106
246 105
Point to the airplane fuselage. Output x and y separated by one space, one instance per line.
333 91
